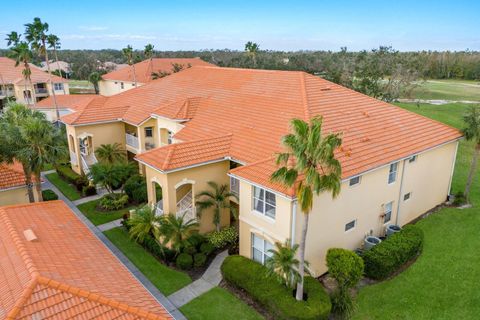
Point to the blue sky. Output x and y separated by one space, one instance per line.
284 25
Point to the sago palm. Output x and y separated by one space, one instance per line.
110 153
472 132
143 223
218 199
308 165
176 230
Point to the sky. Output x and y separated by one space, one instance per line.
275 25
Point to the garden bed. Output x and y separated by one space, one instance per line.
99 216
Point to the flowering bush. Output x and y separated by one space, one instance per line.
221 239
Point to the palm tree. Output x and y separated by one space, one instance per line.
95 78
128 54
283 263
148 51
110 175
21 53
310 156
36 35
110 153
218 199
54 43
143 223
252 48
472 132
176 231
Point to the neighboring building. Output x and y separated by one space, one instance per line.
54 267
122 79
13 84
62 66
225 125
66 104
13 189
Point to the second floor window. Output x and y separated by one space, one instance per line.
170 137
148 132
58 86
264 202
392 174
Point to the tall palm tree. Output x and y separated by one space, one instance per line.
95 78
148 51
218 199
36 35
54 43
110 153
308 165
143 223
284 264
472 132
252 48
176 230
128 54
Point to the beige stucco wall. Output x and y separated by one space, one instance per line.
111 87
165 125
198 178
428 180
18 89
15 196
143 139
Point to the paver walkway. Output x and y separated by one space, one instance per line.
164 301
110 225
100 193
210 279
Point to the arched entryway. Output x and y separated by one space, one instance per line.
185 201
157 198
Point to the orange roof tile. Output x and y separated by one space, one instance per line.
256 106
75 102
66 273
11 176
144 69
9 74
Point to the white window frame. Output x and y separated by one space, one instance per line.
385 212
412 158
264 202
58 86
409 196
350 229
263 250
356 183
392 173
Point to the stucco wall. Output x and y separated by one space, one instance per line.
15 196
111 87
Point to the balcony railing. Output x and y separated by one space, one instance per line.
131 140
73 158
41 90
185 207
234 186
159 208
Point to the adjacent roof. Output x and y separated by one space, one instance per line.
9 74
11 176
53 267
255 107
144 69
74 102
57 65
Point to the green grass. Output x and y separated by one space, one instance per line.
457 90
165 279
67 189
101 217
442 283
218 304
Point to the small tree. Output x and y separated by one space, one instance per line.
176 231
219 200
252 48
110 153
283 263
95 78
472 132
143 223
111 175
346 268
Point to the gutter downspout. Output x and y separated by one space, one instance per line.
294 222
400 192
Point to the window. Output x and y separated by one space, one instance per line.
58 86
121 85
412 159
264 202
260 249
148 132
350 225
354 181
392 175
170 137
133 84
388 212
406 196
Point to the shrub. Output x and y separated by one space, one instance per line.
191 250
81 182
156 249
346 267
67 173
385 258
49 195
223 238
136 189
113 201
199 260
207 248
184 261
125 218
197 240
252 277
89 190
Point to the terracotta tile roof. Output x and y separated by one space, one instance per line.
75 102
11 175
144 69
181 154
66 272
256 106
9 74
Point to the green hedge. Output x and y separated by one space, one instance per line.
387 257
252 277
184 261
67 173
49 195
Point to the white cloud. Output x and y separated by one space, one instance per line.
93 28
107 37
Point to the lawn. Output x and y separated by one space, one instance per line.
165 279
448 90
441 284
80 86
67 189
219 304
101 217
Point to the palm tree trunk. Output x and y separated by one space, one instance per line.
473 167
58 65
28 183
57 113
301 253
134 76
38 186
